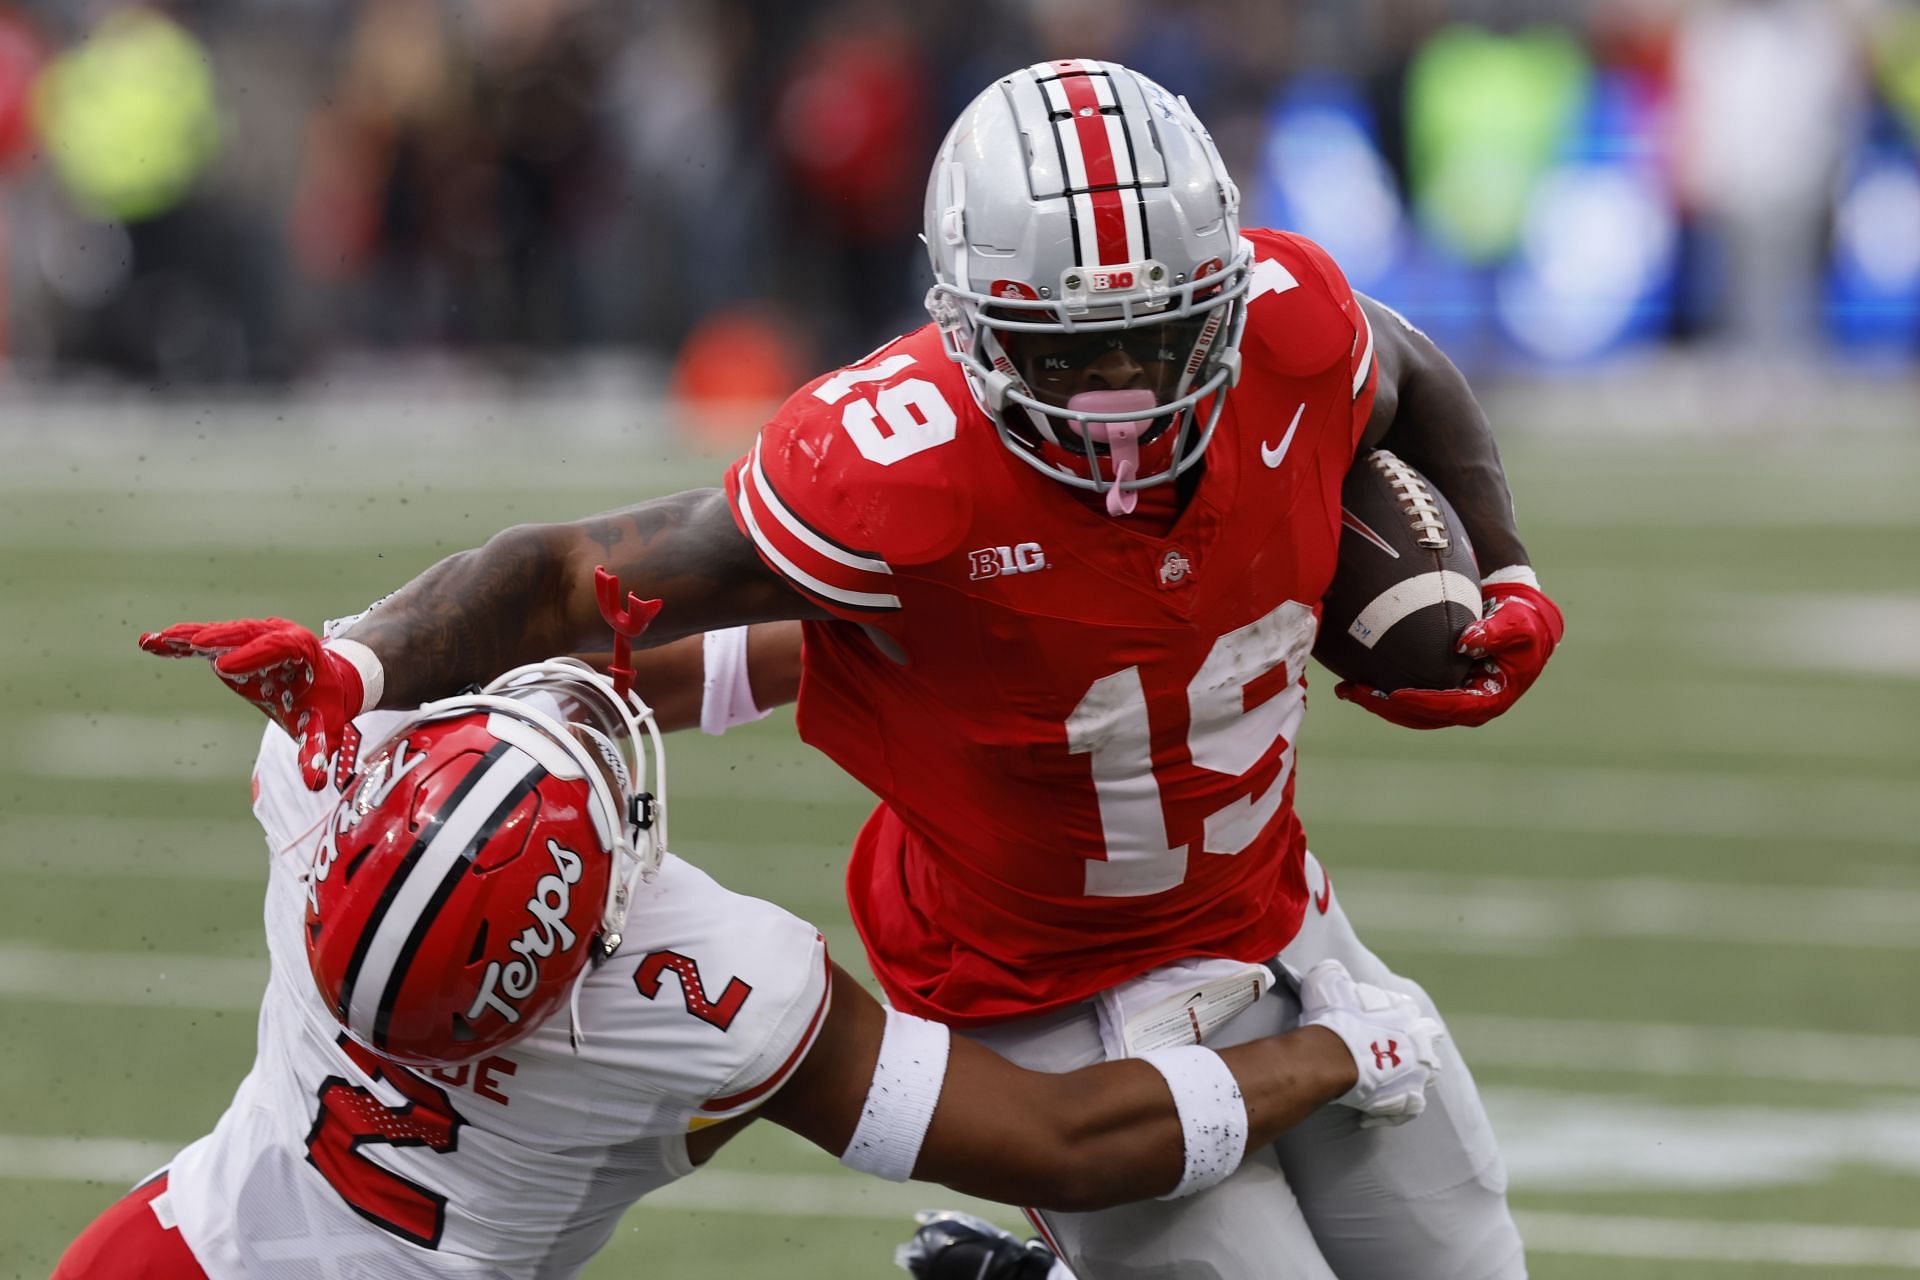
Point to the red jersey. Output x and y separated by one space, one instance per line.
1081 728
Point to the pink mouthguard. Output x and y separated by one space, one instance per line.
1121 438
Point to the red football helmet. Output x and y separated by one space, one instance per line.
481 859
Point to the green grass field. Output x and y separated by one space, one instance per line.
1671 905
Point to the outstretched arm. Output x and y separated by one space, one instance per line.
528 593
524 596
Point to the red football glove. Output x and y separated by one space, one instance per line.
1515 635
281 668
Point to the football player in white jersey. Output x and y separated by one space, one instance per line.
499 1012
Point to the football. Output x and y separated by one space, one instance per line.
1405 586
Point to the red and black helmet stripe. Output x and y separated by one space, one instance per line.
459 867
343 1001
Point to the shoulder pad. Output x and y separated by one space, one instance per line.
1302 316
860 472
718 995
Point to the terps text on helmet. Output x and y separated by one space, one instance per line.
516 979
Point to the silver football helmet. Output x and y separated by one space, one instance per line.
1077 210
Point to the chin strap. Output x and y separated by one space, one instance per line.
576 1033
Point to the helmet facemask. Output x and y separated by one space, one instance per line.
1182 350
568 717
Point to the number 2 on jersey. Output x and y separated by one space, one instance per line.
351 1117
719 1013
1223 735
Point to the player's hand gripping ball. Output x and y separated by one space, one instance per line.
1510 644
281 668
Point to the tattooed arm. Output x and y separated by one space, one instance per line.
528 593
1424 411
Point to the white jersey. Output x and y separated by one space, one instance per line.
332 1162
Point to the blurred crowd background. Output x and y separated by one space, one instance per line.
212 193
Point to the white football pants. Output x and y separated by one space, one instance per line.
1329 1200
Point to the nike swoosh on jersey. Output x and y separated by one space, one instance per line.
1273 454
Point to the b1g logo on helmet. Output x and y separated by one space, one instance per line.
549 932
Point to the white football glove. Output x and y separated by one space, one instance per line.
1391 1041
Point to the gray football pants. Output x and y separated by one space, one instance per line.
1329 1200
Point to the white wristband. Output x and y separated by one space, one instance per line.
1517 574
907 1078
726 693
373 677
1213 1115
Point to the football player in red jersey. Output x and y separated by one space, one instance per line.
1059 555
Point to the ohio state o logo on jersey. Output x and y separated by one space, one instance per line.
1176 569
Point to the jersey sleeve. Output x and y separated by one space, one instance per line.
851 486
722 1001
1336 309
789 1033
1361 365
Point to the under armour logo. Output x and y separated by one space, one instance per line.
1384 1058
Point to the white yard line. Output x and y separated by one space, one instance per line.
1782 1244
92 846
130 979
1823 810
1883 1062
1891 1063
1513 913
1496 915
119 1162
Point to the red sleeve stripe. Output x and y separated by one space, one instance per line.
763 491
747 1097
769 533
1365 365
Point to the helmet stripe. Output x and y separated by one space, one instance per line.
1088 138
392 889
501 770
456 869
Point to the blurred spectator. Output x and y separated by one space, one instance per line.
456 170
851 129
144 270
1769 104
515 178
1486 114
